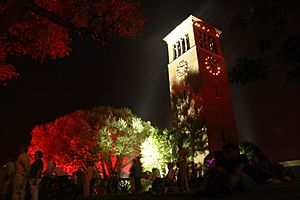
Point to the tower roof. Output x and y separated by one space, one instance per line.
188 22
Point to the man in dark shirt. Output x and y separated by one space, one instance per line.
35 175
137 170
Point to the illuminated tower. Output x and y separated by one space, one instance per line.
194 48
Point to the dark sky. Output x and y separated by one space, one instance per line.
133 74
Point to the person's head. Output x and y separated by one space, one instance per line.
154 169
9 158
183 151
231 151
23 148
170 166
90 163
38 154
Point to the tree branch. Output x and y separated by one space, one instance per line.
62 21
17 9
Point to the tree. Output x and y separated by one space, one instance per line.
105 136
187 108
69 141
43 29
159 149
120 138
279 49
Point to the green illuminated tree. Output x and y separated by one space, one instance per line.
159 149
120 137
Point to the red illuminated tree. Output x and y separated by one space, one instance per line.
42 29
68 141
103 135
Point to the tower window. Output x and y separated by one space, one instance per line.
183 45
206 45
187 42
202 35
217 92
215 50
211 44
208 42
223 135
179 48
174 51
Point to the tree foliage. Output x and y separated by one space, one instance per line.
43 29
104 135
249 149
68 141
279 45
120 137
159 149
187 108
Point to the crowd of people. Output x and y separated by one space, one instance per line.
226 170
181 176
21 173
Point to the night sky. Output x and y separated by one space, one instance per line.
133 74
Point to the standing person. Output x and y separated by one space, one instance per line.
88 176
183 170
193 175
153 180
170 178
132 185
113 183
136 171
36 175
9 168
22 172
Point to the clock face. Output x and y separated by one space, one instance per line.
182 68
212 65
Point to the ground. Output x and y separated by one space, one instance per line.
273 192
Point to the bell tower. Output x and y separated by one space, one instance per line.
194 51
